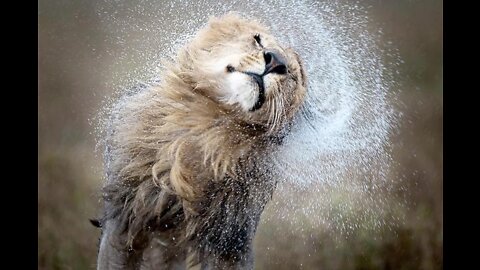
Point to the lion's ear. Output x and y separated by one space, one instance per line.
96 223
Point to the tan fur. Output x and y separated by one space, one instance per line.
178 152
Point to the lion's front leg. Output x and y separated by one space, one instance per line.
113 252
221 225
194 261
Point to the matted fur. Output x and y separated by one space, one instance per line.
187 177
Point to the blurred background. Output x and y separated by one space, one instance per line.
77 72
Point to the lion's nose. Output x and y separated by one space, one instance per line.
274 63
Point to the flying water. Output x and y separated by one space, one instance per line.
339 146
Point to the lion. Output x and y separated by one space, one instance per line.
186 158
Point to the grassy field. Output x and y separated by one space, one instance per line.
75 76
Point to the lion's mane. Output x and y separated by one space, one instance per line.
186 175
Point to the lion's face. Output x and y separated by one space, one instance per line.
241 65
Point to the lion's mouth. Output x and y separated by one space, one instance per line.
261 91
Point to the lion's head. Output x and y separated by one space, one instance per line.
230 92
240 65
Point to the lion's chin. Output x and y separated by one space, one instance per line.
242 90
248 91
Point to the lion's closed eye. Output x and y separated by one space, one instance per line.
258 39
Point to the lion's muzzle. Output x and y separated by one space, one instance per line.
274 63
261 90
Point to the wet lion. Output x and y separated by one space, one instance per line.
186 159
